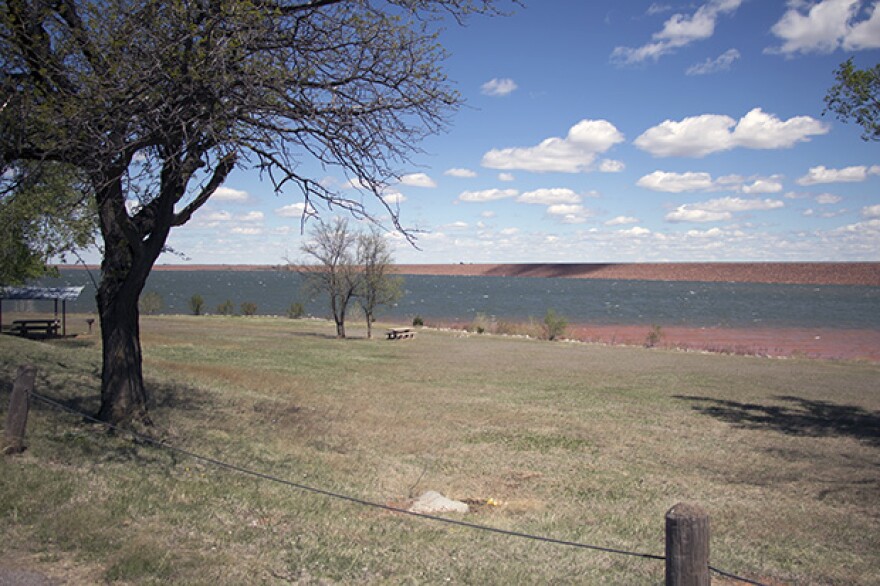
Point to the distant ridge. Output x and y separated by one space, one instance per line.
803 273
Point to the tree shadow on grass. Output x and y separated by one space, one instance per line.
797 416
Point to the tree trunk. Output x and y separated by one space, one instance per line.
369 325
340 326
123 395
124 271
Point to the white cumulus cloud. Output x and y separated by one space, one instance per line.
763 186
487 195
294 210
247 231
871 211
611 166
562 209
738 204
828 198
550 196
498 86
721 63
822 174
418 180
678 31
670 182
710 233
575 153
218 216
676 182
698 136
459 172
720 209
393 198
634 231
686 213
622 221
228 194
825 26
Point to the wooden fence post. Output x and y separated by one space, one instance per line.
19 403
687 546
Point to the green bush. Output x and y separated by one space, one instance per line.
418 321
554 325
196 304
226 308
248 308
296 310
150 302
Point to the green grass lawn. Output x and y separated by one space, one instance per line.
576 442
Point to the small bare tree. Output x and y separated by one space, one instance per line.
377 286
331 267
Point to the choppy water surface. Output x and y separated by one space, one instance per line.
517 298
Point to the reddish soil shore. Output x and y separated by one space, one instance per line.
826 343
778 342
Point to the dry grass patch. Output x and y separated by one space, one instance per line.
577 442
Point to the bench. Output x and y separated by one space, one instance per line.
44 328
400 333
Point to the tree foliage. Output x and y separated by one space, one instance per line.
44 215
856 97
156 102
554 325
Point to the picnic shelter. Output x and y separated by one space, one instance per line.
54 294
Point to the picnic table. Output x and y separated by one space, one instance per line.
46 328
400 333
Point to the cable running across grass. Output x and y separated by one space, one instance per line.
366 503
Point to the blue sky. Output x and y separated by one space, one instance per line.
610 131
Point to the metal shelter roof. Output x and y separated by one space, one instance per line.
49 293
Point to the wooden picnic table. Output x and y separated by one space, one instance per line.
400 333
46 328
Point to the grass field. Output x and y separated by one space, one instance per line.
572 441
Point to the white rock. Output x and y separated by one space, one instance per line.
434 502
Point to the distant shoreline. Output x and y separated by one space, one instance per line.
803 273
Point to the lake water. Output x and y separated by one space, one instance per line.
516 298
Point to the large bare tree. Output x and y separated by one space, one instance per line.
156 102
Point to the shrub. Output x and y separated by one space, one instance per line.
654 336
530 328
296 310
418 321
226 308
554 325
248 308
196 303
150 302
482 324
